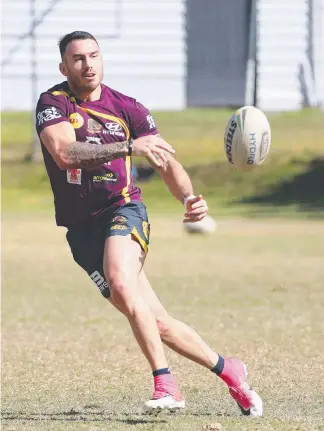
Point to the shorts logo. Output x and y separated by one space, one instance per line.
151 122
94 126
74 176
118 227
48 115
76 120
99 281
119 219
146 229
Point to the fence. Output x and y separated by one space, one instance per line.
174 53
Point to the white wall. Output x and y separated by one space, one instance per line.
318 41
281 44
143 47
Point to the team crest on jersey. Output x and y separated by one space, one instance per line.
94 126
76 120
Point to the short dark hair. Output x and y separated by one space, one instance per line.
75 35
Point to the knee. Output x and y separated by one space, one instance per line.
163 324
121 295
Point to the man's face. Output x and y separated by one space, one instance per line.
82 65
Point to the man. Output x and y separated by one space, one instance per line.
89 133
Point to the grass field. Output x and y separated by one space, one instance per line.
253 289
290 181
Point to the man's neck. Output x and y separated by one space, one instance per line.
87 96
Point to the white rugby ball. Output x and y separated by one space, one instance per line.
206 226
247 138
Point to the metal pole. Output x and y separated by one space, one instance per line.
33 75
310 24
255 33
251 71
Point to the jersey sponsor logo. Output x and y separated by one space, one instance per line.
94 126
76 120
118 227
48 115
74 176
151 122
99 281
108 177
114 129
93 140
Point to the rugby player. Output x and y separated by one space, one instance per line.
89 132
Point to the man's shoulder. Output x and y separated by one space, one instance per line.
60 90
137 116
118 98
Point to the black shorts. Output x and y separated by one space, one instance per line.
87 244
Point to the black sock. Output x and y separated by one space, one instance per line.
161 371
219 366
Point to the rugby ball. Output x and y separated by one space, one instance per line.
205 226
247 138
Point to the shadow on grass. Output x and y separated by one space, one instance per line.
305 190
279 184
79 416
101 416
282 184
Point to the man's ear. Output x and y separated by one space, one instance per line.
62 68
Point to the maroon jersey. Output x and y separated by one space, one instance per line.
81 195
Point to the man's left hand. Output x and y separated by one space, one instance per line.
196 209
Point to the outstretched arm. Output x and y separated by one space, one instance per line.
180 185
60 141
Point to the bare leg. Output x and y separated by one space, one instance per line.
175 334
184 340
123 260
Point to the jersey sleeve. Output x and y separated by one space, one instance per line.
140 120
50 110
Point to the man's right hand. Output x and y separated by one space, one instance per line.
153 148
